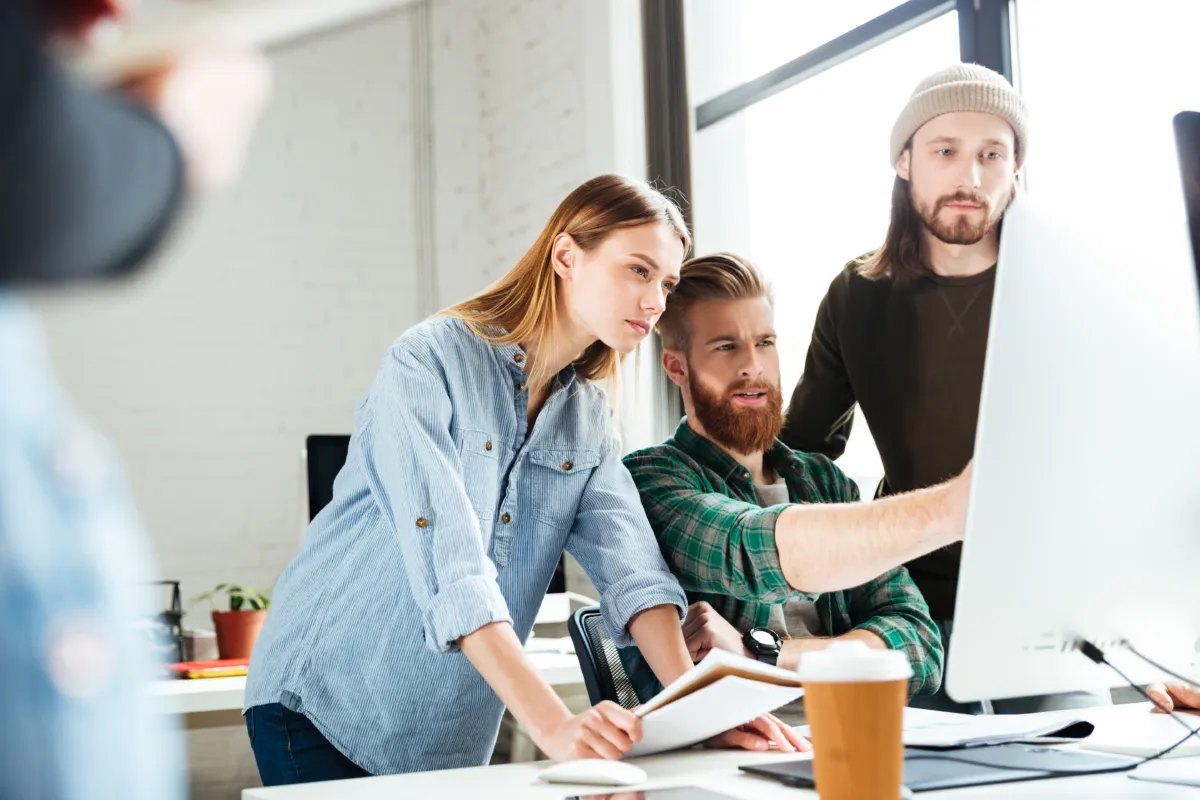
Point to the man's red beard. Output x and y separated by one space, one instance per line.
742 429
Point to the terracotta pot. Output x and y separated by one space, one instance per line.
237 631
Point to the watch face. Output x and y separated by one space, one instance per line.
763 637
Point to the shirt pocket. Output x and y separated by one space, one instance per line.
480 458
559 478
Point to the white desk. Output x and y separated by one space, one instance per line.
715 770
205 695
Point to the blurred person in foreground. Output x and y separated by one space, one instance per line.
90 182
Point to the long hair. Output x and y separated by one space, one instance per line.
522 307
901 256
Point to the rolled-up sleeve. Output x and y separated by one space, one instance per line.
893 609
416 477
717 544
613 542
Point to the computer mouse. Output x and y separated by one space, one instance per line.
595 771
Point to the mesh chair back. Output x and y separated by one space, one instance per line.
603 673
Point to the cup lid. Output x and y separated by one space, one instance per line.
850 661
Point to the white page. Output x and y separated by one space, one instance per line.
718 661
989 729
701 715
1146 735
1182 771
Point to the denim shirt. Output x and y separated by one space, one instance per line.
75 715
447 516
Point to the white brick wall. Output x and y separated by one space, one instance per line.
265 320
267 317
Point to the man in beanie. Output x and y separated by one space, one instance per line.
903 330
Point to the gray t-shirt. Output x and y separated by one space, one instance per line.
796 618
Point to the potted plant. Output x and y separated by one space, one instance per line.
237 628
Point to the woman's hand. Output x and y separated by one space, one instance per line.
211 100
604 731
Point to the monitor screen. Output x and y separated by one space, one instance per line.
326 453
1187 140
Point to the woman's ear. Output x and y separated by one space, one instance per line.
562 255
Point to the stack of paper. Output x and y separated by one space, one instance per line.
1050 727
722 691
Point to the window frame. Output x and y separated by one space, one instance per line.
985 37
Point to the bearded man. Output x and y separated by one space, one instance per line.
776 556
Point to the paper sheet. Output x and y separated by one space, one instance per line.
701 715
1146 735
974 731
723 691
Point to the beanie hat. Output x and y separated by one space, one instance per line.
962 87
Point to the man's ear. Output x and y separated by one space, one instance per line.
904 164
562 255
676 366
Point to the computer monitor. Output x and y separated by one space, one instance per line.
1084 516
1187 141
324 457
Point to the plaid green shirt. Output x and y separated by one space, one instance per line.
721 545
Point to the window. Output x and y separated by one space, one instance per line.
801 181
1101 110
753 37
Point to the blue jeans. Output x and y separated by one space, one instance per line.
289 749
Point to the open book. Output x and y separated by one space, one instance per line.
723 691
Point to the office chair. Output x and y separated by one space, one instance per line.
603 673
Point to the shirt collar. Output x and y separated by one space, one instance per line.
517 360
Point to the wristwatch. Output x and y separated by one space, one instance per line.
764 643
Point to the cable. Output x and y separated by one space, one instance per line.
1158 666
1042 773
1097 655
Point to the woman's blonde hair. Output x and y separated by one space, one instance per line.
522 307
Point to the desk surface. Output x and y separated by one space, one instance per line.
717 771
226 694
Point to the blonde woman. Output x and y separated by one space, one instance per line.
482 451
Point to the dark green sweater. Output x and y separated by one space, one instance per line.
910 354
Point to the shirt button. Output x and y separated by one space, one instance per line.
487 446
746 475
522 386
422 522
518 358
567 465
505 518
